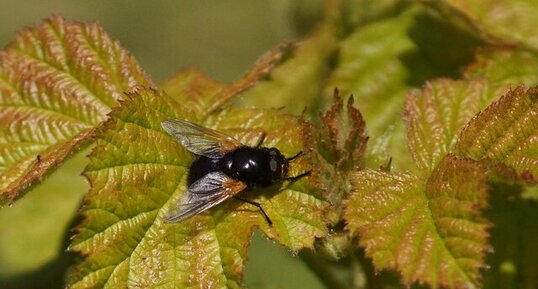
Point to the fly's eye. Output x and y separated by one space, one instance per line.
273 152
273 165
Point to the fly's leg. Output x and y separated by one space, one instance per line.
295 156
294 178
259 207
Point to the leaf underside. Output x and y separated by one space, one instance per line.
137 170
57 83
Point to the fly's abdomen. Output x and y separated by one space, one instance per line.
200 167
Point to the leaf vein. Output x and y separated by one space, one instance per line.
73 77
50 111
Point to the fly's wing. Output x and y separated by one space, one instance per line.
200 140
203 194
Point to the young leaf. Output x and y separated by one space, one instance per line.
137 170
507 21
505 66
368 69
336 147
57 83
193 89
204 96
379 62
506 133
435 118
436 115
431 230
342 138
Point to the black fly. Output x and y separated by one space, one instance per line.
223 168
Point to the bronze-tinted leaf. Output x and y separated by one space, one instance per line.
436 115
136 171
506 132
57 83
430 230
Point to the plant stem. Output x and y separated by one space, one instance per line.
323 270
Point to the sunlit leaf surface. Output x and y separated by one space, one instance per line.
57 83
512 139
192 89
436 115
137 170
431 230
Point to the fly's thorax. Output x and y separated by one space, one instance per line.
255 166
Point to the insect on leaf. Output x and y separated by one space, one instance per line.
137 173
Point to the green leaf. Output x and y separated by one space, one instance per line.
435 118
430 230
436 115
136 172
193 89
204 96
379 62
505 66
510 140
357 12
506 21
364 72
57 83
